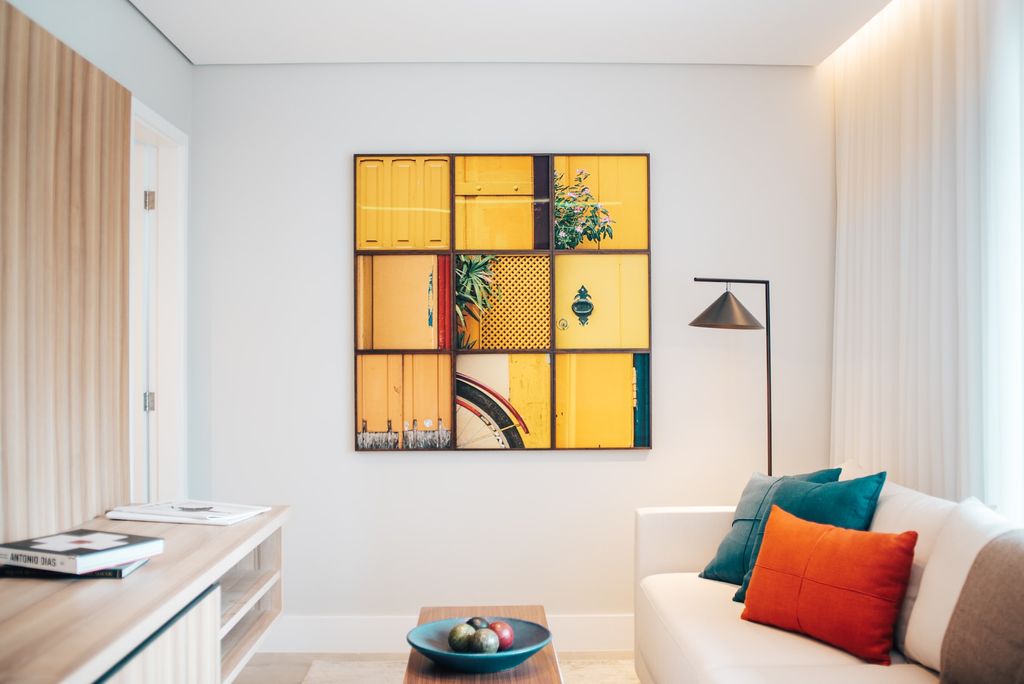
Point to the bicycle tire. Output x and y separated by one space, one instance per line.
493 410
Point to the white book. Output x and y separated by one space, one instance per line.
193 512
79 551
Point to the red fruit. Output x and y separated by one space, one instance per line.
506 637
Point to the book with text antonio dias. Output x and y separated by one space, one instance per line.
79 551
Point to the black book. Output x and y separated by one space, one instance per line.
116 572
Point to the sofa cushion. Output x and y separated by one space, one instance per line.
984 641
967 529
850 504
832 674
687 629
730 563
805 570
899 509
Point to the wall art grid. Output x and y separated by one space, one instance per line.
502 301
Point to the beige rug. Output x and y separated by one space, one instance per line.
574 671
356 672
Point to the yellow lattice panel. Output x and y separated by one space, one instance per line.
521 317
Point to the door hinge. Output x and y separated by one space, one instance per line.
149 200
149 401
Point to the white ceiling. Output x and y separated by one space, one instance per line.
629 31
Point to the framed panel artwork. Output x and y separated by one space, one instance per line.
502 301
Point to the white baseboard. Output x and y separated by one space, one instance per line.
386 633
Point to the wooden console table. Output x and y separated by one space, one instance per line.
194 613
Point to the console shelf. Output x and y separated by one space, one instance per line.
204 604
250 599
239 594
238 646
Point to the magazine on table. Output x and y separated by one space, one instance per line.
193 512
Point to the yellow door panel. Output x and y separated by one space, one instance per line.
379 390
619 182
494 202
404 302
371 199
373 386
509 174
489 223
530 393
617 288
444 393
403 397
428 402
594 400
395 391
506 187
364 302
403 202
437 224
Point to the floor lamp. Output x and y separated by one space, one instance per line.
728 313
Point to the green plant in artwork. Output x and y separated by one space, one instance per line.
475 292
578 214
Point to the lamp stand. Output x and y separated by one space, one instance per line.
767 341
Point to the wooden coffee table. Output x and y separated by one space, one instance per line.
542 668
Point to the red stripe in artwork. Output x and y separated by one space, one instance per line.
444 302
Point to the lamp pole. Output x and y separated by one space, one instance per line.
767 338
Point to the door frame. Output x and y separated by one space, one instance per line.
161 472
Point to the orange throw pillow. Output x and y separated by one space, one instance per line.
843 587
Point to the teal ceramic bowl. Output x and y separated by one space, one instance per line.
431 640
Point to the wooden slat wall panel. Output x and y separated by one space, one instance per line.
65 130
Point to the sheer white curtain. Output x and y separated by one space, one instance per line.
928 366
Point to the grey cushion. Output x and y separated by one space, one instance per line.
984 642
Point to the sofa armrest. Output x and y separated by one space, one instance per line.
678 539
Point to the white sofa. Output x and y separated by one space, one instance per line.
688 629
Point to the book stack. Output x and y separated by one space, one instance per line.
78 553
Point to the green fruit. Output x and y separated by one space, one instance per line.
460 636
477 623
484 641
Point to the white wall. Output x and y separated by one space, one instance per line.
114 36
742 186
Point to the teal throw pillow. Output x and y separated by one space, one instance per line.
850 504
730 561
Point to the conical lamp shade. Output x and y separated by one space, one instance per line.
727 312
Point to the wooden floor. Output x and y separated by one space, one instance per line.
375 668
